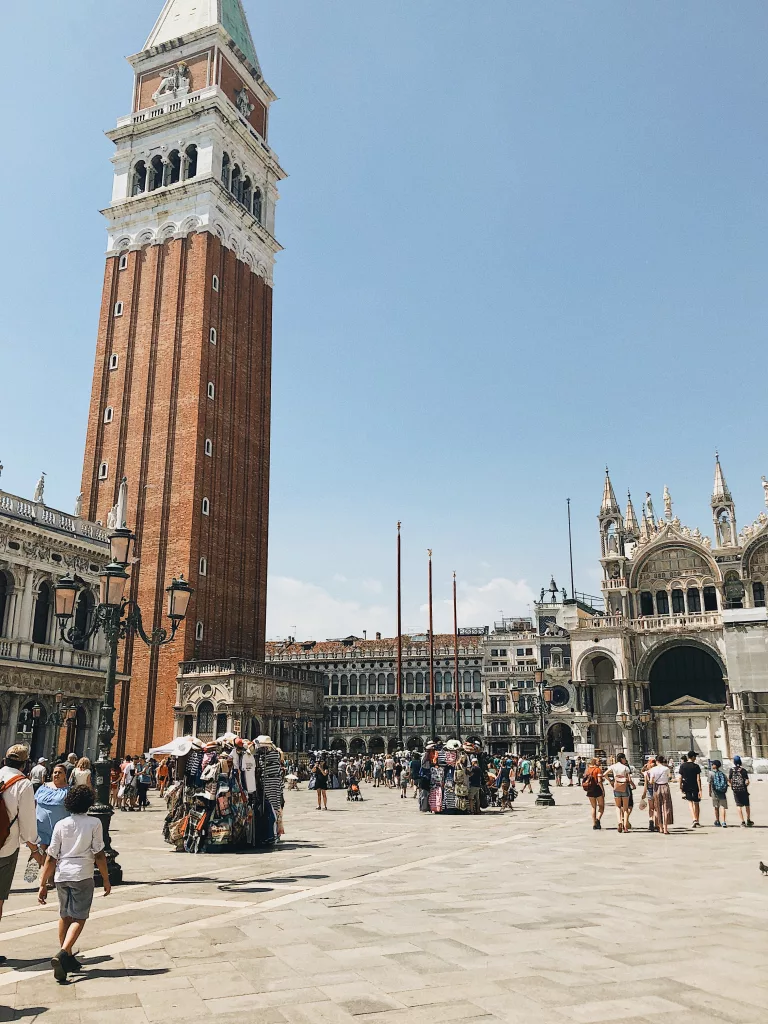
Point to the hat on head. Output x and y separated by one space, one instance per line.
18 752
42 760
263 740
239 742
453 745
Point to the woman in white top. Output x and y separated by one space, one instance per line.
81 774
620 778
662 799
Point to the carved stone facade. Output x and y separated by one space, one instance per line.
38 545
684 634
250 698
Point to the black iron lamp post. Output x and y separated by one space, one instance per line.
541 702
57 718
640 719
117 618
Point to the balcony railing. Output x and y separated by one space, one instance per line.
653 623
241 666
48 654
36 512
617 583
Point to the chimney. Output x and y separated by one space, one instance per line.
378 636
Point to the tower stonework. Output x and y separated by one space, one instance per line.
180 403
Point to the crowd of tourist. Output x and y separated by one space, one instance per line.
655 782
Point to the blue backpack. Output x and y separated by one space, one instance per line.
719 782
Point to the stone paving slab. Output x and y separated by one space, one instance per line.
376 913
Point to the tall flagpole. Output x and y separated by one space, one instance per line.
570 550
399 648
431 654
456 659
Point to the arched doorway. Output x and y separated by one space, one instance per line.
559 737
81 731
254 729
686 671
393 745
32 730
415 743
337 743
357 746
376 745
204 728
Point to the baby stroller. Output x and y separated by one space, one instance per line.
353 790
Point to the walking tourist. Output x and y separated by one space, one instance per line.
39 774
662 799
143 782
475 785
76 845
739 780
593 787
81 773
557 766
18 823
49 806
525 774
163 774
569 767
69 765
620 778
647 794
321 783
718 790
389 771
581 767
115 776
126 786
690 785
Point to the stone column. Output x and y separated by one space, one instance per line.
753 741
92 740
9 733
710 743
24 616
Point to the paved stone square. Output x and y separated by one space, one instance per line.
372 912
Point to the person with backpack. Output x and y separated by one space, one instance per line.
595 790
718 790
739 780
18 821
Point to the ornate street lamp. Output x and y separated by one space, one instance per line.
640 720
541 703
117 619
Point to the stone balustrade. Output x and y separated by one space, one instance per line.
52 519
45 654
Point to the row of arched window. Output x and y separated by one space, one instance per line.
414 714
236 181
43 619
682 602
179 165
413 682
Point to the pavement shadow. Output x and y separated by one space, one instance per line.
21 1012
120 972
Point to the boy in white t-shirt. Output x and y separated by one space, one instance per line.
76 845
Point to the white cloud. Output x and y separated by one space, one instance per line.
484 604
295 607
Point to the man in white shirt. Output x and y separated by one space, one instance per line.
19 799
76 845
39 774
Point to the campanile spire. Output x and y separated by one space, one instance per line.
180 403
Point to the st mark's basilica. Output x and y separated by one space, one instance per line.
678 659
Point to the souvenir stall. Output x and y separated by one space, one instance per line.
444 777
226 795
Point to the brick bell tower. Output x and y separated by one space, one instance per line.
181 388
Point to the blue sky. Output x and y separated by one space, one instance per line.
522 239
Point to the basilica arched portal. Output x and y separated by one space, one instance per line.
686 670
